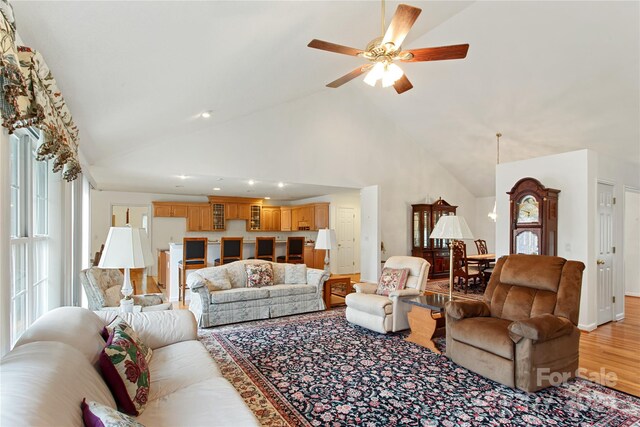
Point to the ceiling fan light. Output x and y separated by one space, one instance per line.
388 80
375 74
395 71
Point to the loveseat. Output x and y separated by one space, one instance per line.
54 366
296 289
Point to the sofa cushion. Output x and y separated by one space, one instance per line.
177 366
120 324
112 296
44 382
211 402
259 275
126 371
95 414
392 279
370 303
216 279
78 327
286 290
295 274
278 273
486 333
238 294
533 271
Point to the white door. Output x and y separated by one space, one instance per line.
604 257
346 240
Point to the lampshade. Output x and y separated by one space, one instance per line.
451 227
326 239
126 247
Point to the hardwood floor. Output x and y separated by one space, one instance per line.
611 350
614 349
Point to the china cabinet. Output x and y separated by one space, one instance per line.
534 218
436 251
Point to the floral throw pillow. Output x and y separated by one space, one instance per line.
259 275
392 279
121 324
95 414
126 372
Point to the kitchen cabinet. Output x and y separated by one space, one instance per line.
163 267
253 224
302 217
218 210
321 216
270 218
285 218
199 217
169 209
238 211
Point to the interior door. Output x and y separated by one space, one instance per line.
346 240
605 253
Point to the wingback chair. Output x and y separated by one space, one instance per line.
387 314
102 286
524 333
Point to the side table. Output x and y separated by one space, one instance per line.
426 319
344 281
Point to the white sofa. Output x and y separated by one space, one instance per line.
240 303
53 366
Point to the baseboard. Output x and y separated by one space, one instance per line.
632 294
619 316
587 328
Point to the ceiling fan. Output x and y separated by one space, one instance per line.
383 51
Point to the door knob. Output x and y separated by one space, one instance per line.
600 262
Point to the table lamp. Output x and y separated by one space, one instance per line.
451 227
126 247
326 240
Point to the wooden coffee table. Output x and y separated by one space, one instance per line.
333 299
426 319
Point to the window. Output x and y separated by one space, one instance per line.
29 232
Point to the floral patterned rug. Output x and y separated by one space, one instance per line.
441 286
317 369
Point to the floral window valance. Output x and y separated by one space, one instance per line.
29 97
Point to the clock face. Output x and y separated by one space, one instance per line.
528 210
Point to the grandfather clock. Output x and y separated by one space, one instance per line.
534 218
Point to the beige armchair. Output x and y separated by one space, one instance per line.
387 314
524 333
102 287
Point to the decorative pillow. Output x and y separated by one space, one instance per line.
126 372
295 274
121 324
259 275
217 279
95 414
278 273
392 279
112 296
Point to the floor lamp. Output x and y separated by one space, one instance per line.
326 240
451 227
127 248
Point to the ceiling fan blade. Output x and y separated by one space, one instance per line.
350 76
332 47
402 84
400 24
457 51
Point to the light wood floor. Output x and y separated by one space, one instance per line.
613 348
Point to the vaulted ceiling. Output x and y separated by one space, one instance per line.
551 76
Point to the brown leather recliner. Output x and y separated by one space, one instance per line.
524 333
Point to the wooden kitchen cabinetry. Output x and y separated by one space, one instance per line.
314 258
285 218
238 211
163 267
321 216
199 217
169 209
270 218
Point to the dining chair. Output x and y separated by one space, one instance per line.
230 250
481 245
194 257
266 248
462 270
295 251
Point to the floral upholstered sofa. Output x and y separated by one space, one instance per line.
254 289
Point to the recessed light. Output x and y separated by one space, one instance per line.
281 184
216 188
267 198
206 114
183 176
179 186
220 179
251 182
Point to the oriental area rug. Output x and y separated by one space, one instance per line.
319 370
441 286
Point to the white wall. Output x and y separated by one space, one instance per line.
483 227
370 234
631 242
326 138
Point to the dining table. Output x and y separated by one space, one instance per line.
482 258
